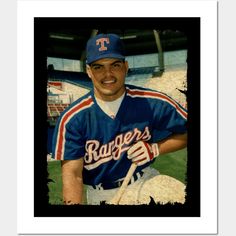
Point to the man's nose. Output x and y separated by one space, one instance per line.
108 70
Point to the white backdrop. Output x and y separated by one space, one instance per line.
226 115
207 223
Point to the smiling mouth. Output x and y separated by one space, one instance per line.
109 81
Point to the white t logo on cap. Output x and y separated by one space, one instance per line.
101 42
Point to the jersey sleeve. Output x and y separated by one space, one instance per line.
68 142
169 118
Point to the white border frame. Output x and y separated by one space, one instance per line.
27 223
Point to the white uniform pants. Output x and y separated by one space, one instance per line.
96 196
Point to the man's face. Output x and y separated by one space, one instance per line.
108 77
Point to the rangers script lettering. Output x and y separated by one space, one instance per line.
113 149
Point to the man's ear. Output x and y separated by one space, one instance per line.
88 71
126 66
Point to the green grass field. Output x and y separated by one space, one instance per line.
172 164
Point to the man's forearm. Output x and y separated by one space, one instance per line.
72 182
72 190
173 143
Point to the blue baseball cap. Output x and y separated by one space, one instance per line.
104 46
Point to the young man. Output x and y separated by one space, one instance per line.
99 136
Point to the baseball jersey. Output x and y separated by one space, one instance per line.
85 131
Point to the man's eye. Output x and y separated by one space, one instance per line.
97 67
117 65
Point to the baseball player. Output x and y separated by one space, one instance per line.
100 135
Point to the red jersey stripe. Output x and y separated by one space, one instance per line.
64 120
143 93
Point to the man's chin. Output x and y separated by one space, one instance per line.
109 95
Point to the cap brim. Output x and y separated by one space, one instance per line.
111 55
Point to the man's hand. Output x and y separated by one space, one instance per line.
142 152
